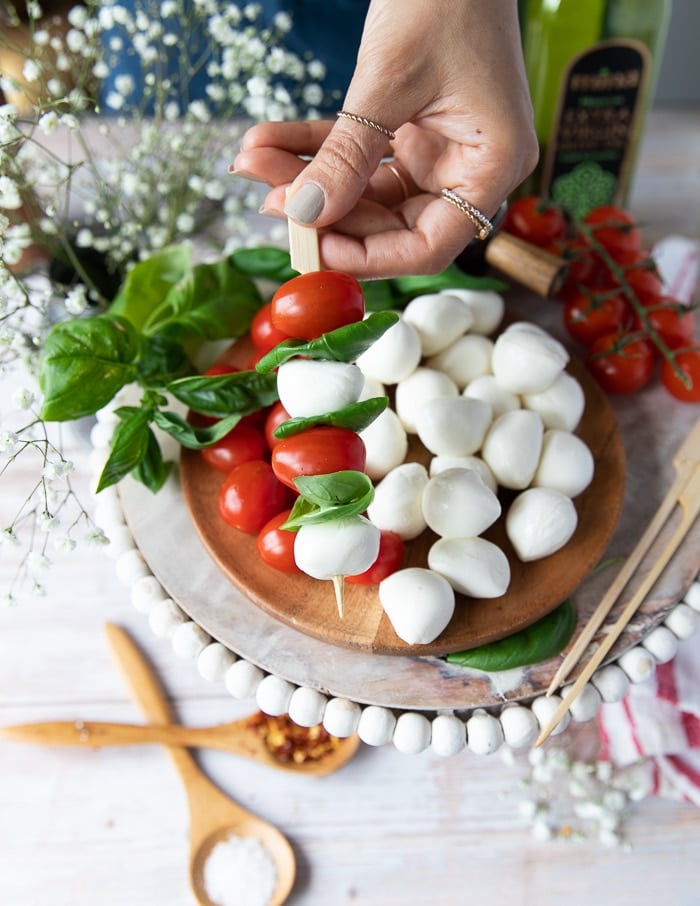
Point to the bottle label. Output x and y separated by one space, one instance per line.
589 155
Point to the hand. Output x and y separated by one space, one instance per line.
448 78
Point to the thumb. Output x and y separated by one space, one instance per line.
334 180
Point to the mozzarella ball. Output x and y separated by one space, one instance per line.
397 505
418 602
560 405
457 504
467 358
314 387
539 522
566 464
487 308
527 359
394 355
439 319
341 547
385 443
442 463
512 447
453 426
371 389
419 388
473 566
486 388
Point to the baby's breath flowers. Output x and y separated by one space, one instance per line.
118 123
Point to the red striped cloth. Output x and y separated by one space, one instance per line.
659 721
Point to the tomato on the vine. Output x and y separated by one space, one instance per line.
242 443
318 451
314 303
276 545
535 219
620 362
389 558
588 317
673 321
687 387
584 268
615 229
263 333
251 495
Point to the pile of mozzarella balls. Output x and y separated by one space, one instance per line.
492 413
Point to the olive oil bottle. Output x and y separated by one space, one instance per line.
591 67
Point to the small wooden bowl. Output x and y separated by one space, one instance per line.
536 587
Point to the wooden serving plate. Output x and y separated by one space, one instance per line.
536 588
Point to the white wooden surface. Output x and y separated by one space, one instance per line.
109 826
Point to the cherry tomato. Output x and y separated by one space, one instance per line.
674 322
587 318
241 444
318 451
584 267
388 560
535 219
253 419
220 368
689 363
251 495
615 229
621 363
641 274
276 545
275 417
311 304
263 333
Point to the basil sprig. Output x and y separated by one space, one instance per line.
345 344
397 291
539 642
355 417
332 496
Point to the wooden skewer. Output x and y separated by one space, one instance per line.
684 461
689 500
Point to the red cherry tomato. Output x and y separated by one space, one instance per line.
263 333
689 363
275 417
388 560
251 495
276 545
535 219
220 368
241 444
620 363
615 229
674 322
311 304
584 267
587 318
318 451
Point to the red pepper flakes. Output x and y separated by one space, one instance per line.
287 741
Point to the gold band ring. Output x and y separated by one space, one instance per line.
365 122
393 168
480 221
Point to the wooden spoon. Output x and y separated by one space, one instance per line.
236 737
214 817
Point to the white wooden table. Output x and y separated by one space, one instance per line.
109 826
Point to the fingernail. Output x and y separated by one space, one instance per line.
270 212
245 174
306 204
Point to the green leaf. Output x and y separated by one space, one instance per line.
379 295
327 497
539 642
192 436
163 358
266 261
452 277
240 392
148 283
153 470
85 363
342 345
130 444
356 417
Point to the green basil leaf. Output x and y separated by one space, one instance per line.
327 497
191 436
85 363
211 301
153 470
342 345
267 261
452 277
379 295
148 283
539 642
163 358
356 417
129 446
240 392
